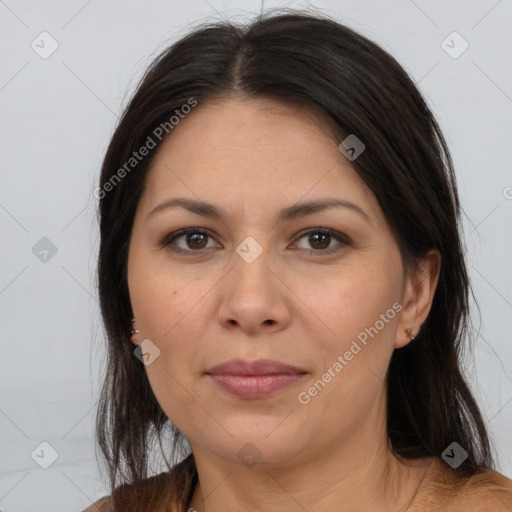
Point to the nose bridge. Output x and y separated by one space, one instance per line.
251 261
251 284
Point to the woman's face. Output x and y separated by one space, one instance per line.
253 283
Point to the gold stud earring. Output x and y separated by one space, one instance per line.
409 333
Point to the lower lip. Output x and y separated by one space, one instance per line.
255 386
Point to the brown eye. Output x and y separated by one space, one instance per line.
196 240
320 240
191 240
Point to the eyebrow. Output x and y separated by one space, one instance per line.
291 212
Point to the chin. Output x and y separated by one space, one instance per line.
262 450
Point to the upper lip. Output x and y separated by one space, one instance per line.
258 367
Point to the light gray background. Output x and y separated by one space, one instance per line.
57 115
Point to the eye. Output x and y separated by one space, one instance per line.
194 240
321 238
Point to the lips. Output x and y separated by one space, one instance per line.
259 367
254 379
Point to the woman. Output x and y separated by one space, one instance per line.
281 276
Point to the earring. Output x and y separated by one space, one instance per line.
409 333
134 331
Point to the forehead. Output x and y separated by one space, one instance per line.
231 123
262 151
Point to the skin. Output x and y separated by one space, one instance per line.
294 303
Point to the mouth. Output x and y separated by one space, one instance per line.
254 379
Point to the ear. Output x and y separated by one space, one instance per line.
419 289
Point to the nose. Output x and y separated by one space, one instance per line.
254 298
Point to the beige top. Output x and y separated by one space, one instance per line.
441 490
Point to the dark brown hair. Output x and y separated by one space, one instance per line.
313 61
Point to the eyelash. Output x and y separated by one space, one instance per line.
167 242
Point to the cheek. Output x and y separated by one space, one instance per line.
359 317
166 312
351 301
172 311
159 297
352 362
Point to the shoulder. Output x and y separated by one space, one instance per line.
101 505
485 490
448 490
155 491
